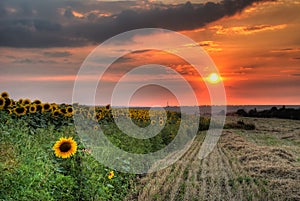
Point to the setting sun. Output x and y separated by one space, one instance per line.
214 78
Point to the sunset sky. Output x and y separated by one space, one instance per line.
254 44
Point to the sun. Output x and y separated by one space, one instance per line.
214 78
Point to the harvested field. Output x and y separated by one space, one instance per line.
260 164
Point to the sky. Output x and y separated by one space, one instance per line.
254 44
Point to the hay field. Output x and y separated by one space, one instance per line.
260 164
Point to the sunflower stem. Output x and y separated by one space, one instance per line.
79 178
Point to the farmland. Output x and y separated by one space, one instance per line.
260 164
255 158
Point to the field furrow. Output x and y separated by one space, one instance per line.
243 166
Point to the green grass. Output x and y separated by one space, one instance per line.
30 171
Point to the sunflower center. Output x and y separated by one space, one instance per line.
20 110
65 147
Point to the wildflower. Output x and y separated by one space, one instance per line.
111 174
87 151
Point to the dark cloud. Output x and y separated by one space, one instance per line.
286 50
57 54
34 61
257 27
53 23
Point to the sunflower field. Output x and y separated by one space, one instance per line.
43 157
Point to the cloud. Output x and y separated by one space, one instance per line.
286 50
246 68
75 23
58 54
246 30
210 46
34 61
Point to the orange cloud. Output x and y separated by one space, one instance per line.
210 46
246 30
77 14
286 50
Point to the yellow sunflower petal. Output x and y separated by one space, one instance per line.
65 147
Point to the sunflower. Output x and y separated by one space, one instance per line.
56 113
69 112
9 111
39 107
2 102
4 94
26 101
54 107
98 117
46 107
65 147
19 111
161 122
20 101
69 109
63 111
111 174
108 107
32 108
37 102
8 102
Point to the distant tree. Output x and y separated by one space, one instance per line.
253 113
242 112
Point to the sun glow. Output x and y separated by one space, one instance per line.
214 78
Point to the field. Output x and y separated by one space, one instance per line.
255 158
260 164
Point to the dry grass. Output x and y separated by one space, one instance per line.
261 164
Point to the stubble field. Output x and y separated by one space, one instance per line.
260 164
